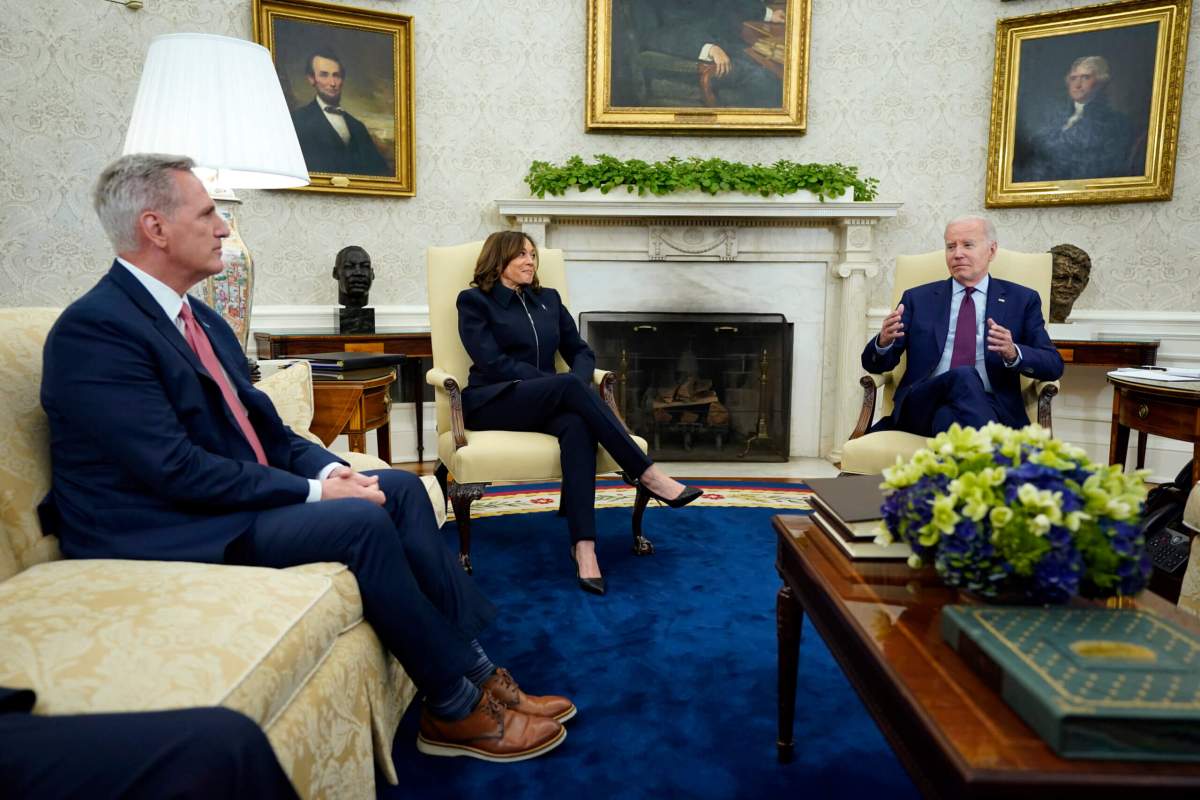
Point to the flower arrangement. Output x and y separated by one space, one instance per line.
999 511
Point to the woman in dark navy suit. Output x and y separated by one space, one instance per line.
511 327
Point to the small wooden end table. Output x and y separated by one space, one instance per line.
954 734
1108 352
1163 409
354 406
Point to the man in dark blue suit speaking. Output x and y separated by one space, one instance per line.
162 449
969 339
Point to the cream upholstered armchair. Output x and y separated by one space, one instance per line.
475 459
869 453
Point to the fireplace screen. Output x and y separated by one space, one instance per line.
699 387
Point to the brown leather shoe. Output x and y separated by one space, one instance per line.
505 689
491 732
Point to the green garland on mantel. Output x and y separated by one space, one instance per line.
710 175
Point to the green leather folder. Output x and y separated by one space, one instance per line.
1094 683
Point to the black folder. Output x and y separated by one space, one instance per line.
853 498
341 361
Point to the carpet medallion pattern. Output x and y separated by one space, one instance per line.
719 493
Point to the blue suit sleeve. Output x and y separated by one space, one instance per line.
481 345
115 397
574 349
876 362
1040 359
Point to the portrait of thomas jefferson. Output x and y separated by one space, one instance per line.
1083 105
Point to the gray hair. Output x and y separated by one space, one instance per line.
133 184
1097 65
989 230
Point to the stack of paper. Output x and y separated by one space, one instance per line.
1164 374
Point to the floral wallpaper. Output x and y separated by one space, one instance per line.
899 87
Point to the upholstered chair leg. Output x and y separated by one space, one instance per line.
461 497
641 545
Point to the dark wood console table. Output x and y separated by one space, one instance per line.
416 346
954 734
1108 353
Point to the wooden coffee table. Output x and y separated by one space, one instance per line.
956 737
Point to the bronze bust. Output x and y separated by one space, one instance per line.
354 274
1072 269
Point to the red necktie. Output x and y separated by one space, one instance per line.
198 341
963 354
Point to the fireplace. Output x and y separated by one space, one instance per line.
699 387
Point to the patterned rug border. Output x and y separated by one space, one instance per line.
719 493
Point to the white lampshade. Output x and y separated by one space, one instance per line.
217 100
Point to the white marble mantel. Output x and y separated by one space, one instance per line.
688 234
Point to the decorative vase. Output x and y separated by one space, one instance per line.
231 292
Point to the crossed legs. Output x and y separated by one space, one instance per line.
567 408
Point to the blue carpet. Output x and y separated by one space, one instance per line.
674 671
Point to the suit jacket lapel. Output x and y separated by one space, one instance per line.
942 294
166 328
997 309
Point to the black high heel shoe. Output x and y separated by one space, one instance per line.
593 585
688 494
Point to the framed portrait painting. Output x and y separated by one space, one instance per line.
1085 104
347 77
697 66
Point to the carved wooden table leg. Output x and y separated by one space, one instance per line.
789 616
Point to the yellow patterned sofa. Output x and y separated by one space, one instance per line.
289 648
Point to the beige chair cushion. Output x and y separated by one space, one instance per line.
24 440
510 456
871 454
291 392
98 635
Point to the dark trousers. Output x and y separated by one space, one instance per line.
197 753
565 407
424 608
957 395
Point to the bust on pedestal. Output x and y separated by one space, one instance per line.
1072 270
353 272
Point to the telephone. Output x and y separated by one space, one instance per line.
1168 540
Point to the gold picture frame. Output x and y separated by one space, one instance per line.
1085 104
366 57
652 67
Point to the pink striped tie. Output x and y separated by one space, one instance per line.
198 341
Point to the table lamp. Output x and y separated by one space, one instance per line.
218 100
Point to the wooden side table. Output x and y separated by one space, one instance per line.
1164 409
416 346
354 406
